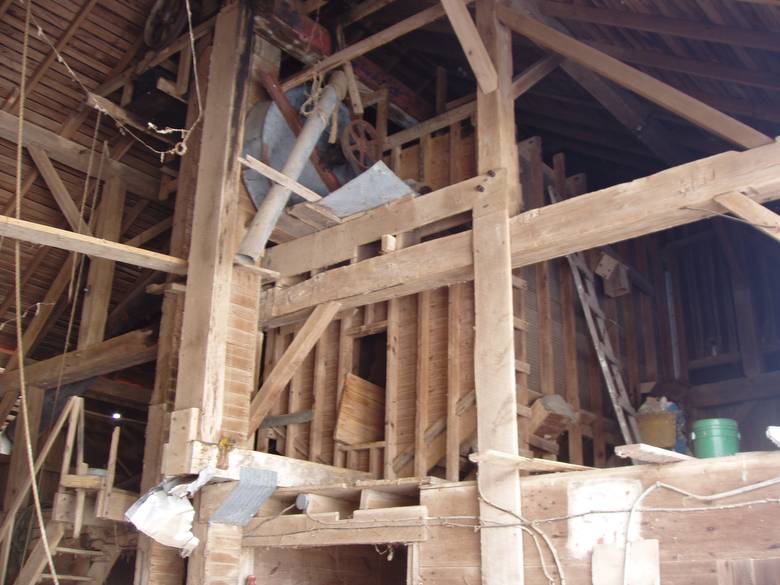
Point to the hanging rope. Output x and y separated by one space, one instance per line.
18 299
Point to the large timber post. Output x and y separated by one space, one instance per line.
494 349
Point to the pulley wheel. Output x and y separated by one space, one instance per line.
360 144
166 21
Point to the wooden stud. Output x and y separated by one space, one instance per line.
423 381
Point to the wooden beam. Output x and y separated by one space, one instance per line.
118 353
627 211
44 235
285 368
58 189
353 51
664 25
295 257
279 178
534 74
758 216
364 9
94 312
215 217
473 47
648 87
76 156
494 336
521 83
706 69
150 233
454 390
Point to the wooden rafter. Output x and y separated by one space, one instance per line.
473 47
59 47
689 29
648 87
353 51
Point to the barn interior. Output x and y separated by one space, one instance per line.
383 291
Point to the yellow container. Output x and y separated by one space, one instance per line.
658 429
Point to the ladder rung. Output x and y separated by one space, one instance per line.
80 578
79 551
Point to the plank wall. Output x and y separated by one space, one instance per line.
405 324
691 543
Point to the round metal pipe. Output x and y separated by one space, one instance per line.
256 237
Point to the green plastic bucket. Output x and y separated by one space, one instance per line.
715 437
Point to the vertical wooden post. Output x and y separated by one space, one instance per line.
454 341
423 382
494 352
201 372
94 313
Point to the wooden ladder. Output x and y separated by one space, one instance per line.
95 571
609 361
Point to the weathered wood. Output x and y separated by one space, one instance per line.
76 156
648 87
44 235
640 452
351 52
501 459
285 368
755 214
494 336
130 349
58 190
94 312
279 178
629 210
473 47
206 320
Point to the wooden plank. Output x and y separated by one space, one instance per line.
423 381
285 368
290 472
58 190
361 412
280 178
627 211
649 454
150 233
500 459
44 235
94 312
648 87
473 47
758 216
351 52
76 156
124 351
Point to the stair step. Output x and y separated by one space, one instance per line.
79 551
79 578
